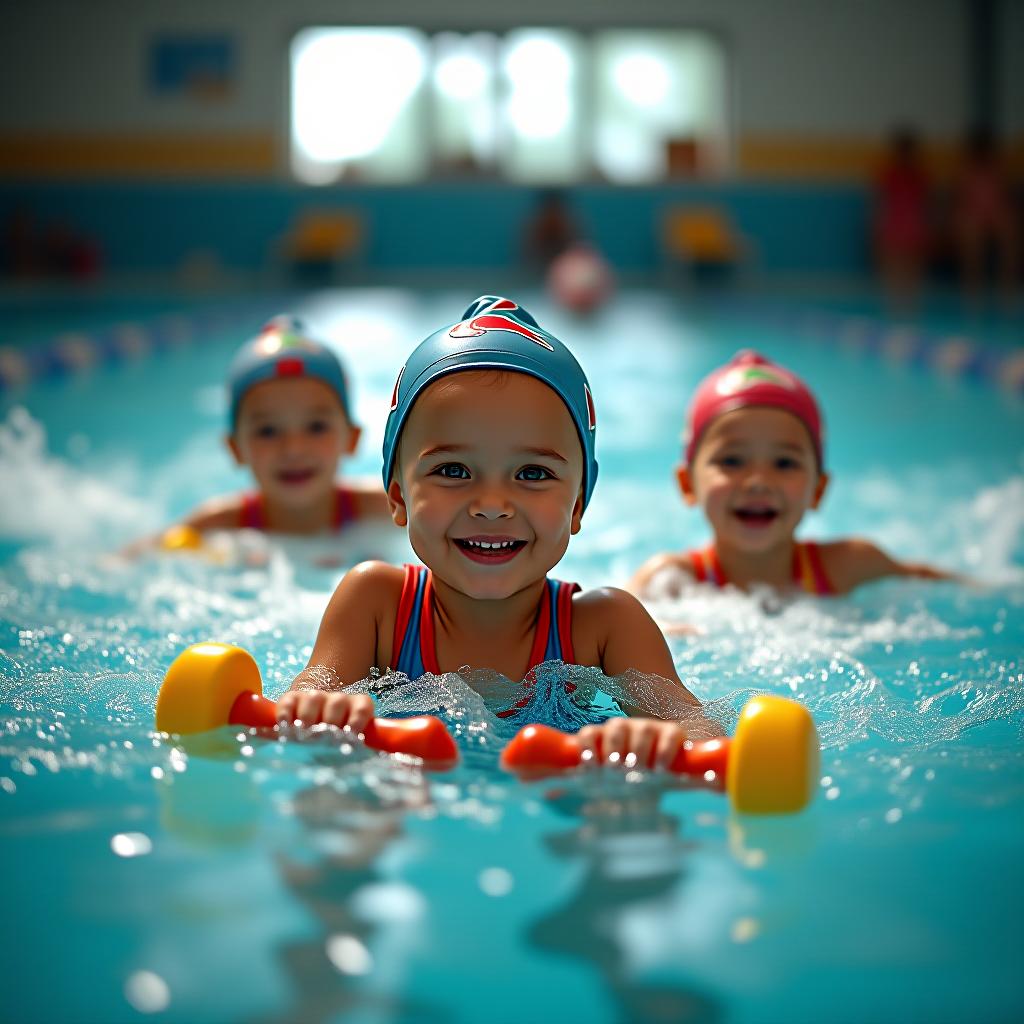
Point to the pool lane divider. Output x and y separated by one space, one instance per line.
70 353
951 354
770 766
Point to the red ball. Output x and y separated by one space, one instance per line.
580 279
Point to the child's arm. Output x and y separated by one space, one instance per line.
849 563
630 643
660 576
217 514
347 647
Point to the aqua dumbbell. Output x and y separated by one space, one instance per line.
770 765
210 685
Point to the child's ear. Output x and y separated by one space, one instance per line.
396 504
685 482
577 515
354 433
232 446
819 489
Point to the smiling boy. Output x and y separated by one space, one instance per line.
489 462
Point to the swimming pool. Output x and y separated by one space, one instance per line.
300 880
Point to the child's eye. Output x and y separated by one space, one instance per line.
318 427
452 471
729 461
534 474
785 462
266 431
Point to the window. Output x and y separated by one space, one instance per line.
542 106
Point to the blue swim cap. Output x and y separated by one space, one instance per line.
496 334
283 348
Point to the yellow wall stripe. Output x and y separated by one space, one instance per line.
143 155
757 157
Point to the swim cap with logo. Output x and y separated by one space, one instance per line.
496 334
750 379
283 348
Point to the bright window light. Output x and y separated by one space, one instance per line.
642 78
464 120
351 89
542 102
461 76
659 104
538 105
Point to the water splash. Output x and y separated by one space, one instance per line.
47 498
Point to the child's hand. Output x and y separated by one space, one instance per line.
333 708
653 742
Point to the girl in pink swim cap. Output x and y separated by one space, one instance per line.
754 463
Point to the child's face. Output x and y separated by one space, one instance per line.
755 474
291 434
489 458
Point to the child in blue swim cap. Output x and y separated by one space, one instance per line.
489 463
291 424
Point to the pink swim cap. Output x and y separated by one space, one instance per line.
750 379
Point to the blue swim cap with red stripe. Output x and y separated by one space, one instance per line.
283 348
496 334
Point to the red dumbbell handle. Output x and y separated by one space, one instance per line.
538 750
425 736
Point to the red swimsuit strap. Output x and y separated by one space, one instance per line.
816 580
428 642
405 606
344 507
564 621
706 566
251 517
540 631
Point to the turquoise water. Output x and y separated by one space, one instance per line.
300 879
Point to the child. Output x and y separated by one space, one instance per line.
902 228
291 425
489 462
754 464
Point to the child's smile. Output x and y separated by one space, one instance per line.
490 474
756 516
489 550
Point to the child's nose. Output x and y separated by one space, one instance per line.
293 441
490 503
757 477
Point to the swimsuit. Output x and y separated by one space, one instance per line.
414 651
344 510
808 570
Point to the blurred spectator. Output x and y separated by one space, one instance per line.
55 250
985 215
549 232
21 246
902 231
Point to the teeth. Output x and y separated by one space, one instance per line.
485 546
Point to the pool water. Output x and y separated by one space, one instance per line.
243 878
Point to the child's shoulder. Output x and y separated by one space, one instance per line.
375 578
854 560
223 513
603 609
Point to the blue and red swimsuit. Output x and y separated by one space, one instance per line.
414 650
